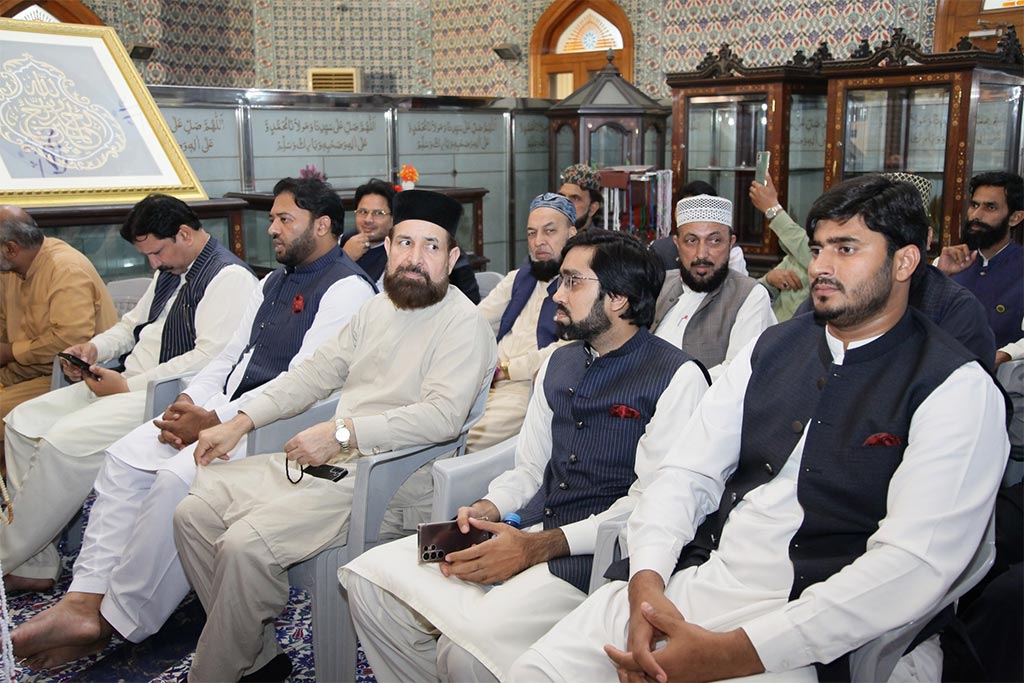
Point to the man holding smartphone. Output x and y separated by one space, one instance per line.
409 365
55 443
580 459
127 577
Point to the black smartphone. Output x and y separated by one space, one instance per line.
437 539
78 363
328 472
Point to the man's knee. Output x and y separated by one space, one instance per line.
185 514
531 666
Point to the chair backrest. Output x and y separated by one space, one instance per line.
161 393
271 438
127 292
460 481
487 281
876 660
1011 376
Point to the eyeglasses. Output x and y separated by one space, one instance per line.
571 281
376 213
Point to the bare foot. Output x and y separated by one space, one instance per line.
74 622
49 659
19 584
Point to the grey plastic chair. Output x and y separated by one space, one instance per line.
486 281
460 481
127 292
378 478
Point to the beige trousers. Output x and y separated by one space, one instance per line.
240 529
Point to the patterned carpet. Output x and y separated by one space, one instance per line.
166 656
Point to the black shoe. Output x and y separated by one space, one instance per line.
275 671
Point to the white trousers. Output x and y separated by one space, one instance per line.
401 608
54 447
573 650
128 552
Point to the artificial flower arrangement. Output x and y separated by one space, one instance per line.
408 174
311 171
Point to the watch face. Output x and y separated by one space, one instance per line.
341 435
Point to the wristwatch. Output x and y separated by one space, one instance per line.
342 435
504 368
772 212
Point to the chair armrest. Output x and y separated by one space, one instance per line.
461 481
876 659
378 478
161 393
607 549
271 438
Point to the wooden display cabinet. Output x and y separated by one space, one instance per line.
724 113
945 117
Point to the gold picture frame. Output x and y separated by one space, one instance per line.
78 125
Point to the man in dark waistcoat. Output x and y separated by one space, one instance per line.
521 311
844 469
580 459
54 444
127 577
989 262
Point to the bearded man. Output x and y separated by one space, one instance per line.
583 456
989 263
705 308
410 364
521 311
830 486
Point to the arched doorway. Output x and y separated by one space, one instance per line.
64 11
570 42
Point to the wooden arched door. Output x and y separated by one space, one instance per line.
570 41
65 11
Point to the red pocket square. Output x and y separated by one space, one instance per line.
298 304
883 439
619 410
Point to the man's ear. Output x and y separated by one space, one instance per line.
387 246
905 262
9 249
322 225
1016 218
184 234
617 303
732 240
453 256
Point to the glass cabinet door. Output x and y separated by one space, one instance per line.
609 146
808 121
565 149
723 138
899 129
996 129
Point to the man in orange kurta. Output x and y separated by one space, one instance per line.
51 297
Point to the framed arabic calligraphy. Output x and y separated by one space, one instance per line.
77 125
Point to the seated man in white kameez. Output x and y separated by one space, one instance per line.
55 443
127 577
706 308
409 365
831 486
580 459
521 311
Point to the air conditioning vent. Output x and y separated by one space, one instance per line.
349 79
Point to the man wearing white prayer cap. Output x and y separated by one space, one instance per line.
705 308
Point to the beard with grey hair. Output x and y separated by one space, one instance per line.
411 294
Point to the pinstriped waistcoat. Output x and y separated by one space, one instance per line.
592 451
179 333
